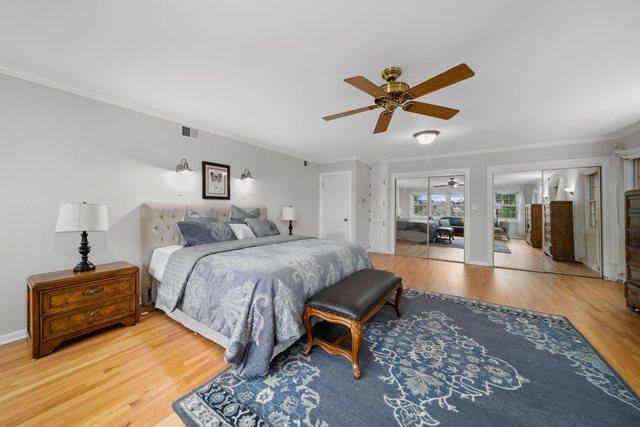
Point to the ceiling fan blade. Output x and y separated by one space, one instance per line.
367 86
349 113
383 121
449 77
440 186
432 110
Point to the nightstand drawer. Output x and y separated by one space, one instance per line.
64 323
72 297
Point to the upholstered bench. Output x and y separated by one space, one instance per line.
351 302
445 231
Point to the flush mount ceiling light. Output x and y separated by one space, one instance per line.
183 167
426 137
246 176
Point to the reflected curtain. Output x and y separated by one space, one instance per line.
520 207
579 218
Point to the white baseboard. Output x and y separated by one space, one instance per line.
13 336
480 263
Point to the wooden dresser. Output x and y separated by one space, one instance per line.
533 224
557 218
64 304
632 248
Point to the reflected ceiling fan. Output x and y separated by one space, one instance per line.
393 94
451 184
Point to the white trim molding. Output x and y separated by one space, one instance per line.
352 204
391 211
13 336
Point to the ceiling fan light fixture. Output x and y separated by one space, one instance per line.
426 137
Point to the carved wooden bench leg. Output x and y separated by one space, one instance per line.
306 319
356 341
396 303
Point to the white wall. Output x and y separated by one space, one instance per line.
58 147
360 195
478 163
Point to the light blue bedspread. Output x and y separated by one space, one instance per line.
253 291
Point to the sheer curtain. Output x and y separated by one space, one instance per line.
579 214
520 207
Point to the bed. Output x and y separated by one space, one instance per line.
416 230
246 295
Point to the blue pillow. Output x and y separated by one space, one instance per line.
239 215
262 227
200 231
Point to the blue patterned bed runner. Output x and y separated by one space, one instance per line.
446 361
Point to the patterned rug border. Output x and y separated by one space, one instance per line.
185 417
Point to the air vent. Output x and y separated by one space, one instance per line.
190 132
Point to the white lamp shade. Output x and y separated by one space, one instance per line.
289 214
82 217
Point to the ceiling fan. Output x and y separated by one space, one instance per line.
451 184
394 94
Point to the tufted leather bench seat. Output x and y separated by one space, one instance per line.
351 302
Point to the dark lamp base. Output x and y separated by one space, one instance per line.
84 266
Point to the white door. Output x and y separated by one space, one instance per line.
335 206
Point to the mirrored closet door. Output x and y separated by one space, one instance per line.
517 220
429 220
548 220
571 220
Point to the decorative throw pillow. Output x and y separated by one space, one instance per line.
201 231
191 214
262 227
242 231
239 215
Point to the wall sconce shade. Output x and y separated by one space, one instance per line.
183 167
246 176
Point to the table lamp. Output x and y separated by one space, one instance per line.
289 214
82 217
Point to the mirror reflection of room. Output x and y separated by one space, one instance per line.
430 218
517 217
548 221
571 221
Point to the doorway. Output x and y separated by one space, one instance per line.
429 217
548 220
336 217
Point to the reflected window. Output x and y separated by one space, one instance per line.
420 205
508 208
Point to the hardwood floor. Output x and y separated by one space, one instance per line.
525 257
422 250
130 376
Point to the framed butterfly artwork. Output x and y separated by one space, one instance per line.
215 181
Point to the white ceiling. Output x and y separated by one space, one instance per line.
266 72
520 177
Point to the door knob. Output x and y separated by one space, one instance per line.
346 219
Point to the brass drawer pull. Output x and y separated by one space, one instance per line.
92 291
93 314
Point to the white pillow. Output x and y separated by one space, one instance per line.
444 223
242 231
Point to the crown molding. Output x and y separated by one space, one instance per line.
506 149
629 130
346 159
144 109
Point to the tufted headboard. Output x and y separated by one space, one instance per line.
159 227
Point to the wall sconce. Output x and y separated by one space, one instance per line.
246 176
570 190
183 167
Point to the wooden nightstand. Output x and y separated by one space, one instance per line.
64 304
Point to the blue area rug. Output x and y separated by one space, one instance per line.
498 246
447 360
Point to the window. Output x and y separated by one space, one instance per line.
509 209
420 205
439 206
593 197
457 206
